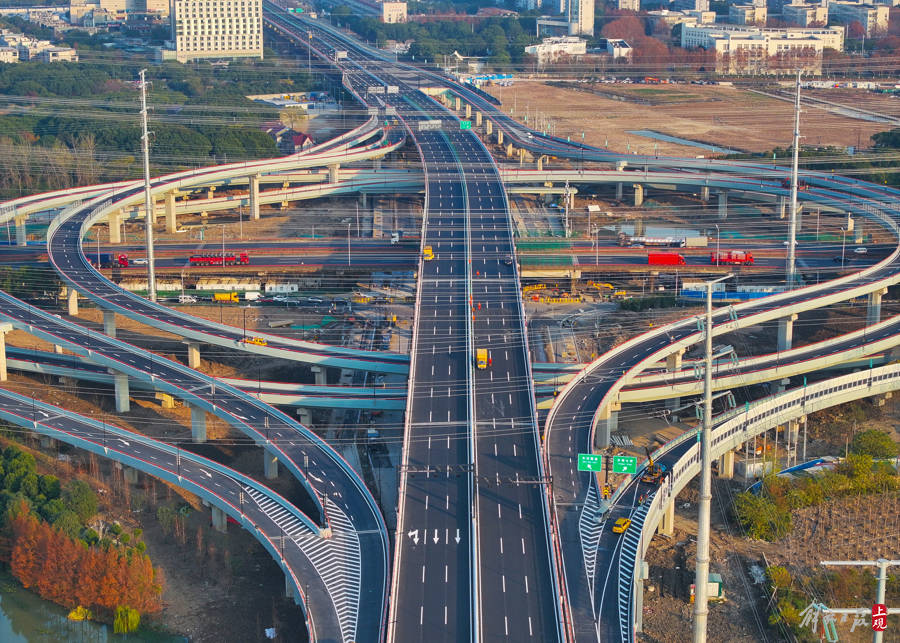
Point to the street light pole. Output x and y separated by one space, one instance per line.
717 243
792 238
348 244
843 245
148 199
701 580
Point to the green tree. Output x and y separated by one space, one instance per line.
762 518
875 443
126 620
81 499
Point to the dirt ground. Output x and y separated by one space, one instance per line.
725 116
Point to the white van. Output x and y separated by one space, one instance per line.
187 299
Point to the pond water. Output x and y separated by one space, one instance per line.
27 618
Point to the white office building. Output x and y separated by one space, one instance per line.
216 29
554 49
873 18
580 14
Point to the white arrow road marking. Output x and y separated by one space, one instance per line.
457 537
436 538
414 534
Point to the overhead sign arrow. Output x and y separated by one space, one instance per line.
457 537
414 534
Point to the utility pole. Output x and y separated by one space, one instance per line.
882 565
701 579
148 199
566 203
792 235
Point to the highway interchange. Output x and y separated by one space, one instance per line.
473 553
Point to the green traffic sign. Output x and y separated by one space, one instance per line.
465 125
590 462
624 464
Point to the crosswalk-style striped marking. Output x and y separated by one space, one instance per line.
589 528
631 541
337 559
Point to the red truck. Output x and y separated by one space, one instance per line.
229 259
731 258
801 184
665 259
108 259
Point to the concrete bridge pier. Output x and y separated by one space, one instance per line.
606 424
478 119
4 328
362 199
786 332
334 173
673 364
321 375
304 417
782 207
109 323
726 465
123 403
859 231
468 111
131 475
21 231
198 423
193 354
72 302
488 127
667 524
618 191
219 520
270 465
500 137
639 227
638 195
254 197
873 313
704 193
723 204
171 219
457 103
114 222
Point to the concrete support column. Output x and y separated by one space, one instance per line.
468 111
457 103
606 424
270 465
171 219
782 207
210 192
362 199
57 349
723 204
873 314
521 156
123 403
478 119
667 524
254 197
638 195
639 227
193 354
539 163
114 221
673 364
109 323
786 332
321 375
198 424
704 193
510 149
219 520
499 137
618 191
131 475
4 328
726 465
72 302
166 401
489 127
304 417
334 173
859 231
21 232
799 217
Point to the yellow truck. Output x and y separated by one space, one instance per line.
428 253
226 296
481 358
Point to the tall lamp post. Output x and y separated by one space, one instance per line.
843 245
717 243
701 580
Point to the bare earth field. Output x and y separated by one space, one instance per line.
725 116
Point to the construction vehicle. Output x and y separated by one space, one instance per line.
653 474
801 184
731 258
481 358
715 589
665 259
227 259
222 297
428 253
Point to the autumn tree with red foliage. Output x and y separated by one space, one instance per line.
69 573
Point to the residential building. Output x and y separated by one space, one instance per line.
747 14
873 18
58 54
393 12
216 29
553 49
704 17
9 55
690 5
752 50
619 49
580 14
805 15
628 5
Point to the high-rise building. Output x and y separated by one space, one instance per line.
216 29
580 15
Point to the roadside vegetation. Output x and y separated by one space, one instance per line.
50 547
767 515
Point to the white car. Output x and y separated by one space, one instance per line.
861 251
139 262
